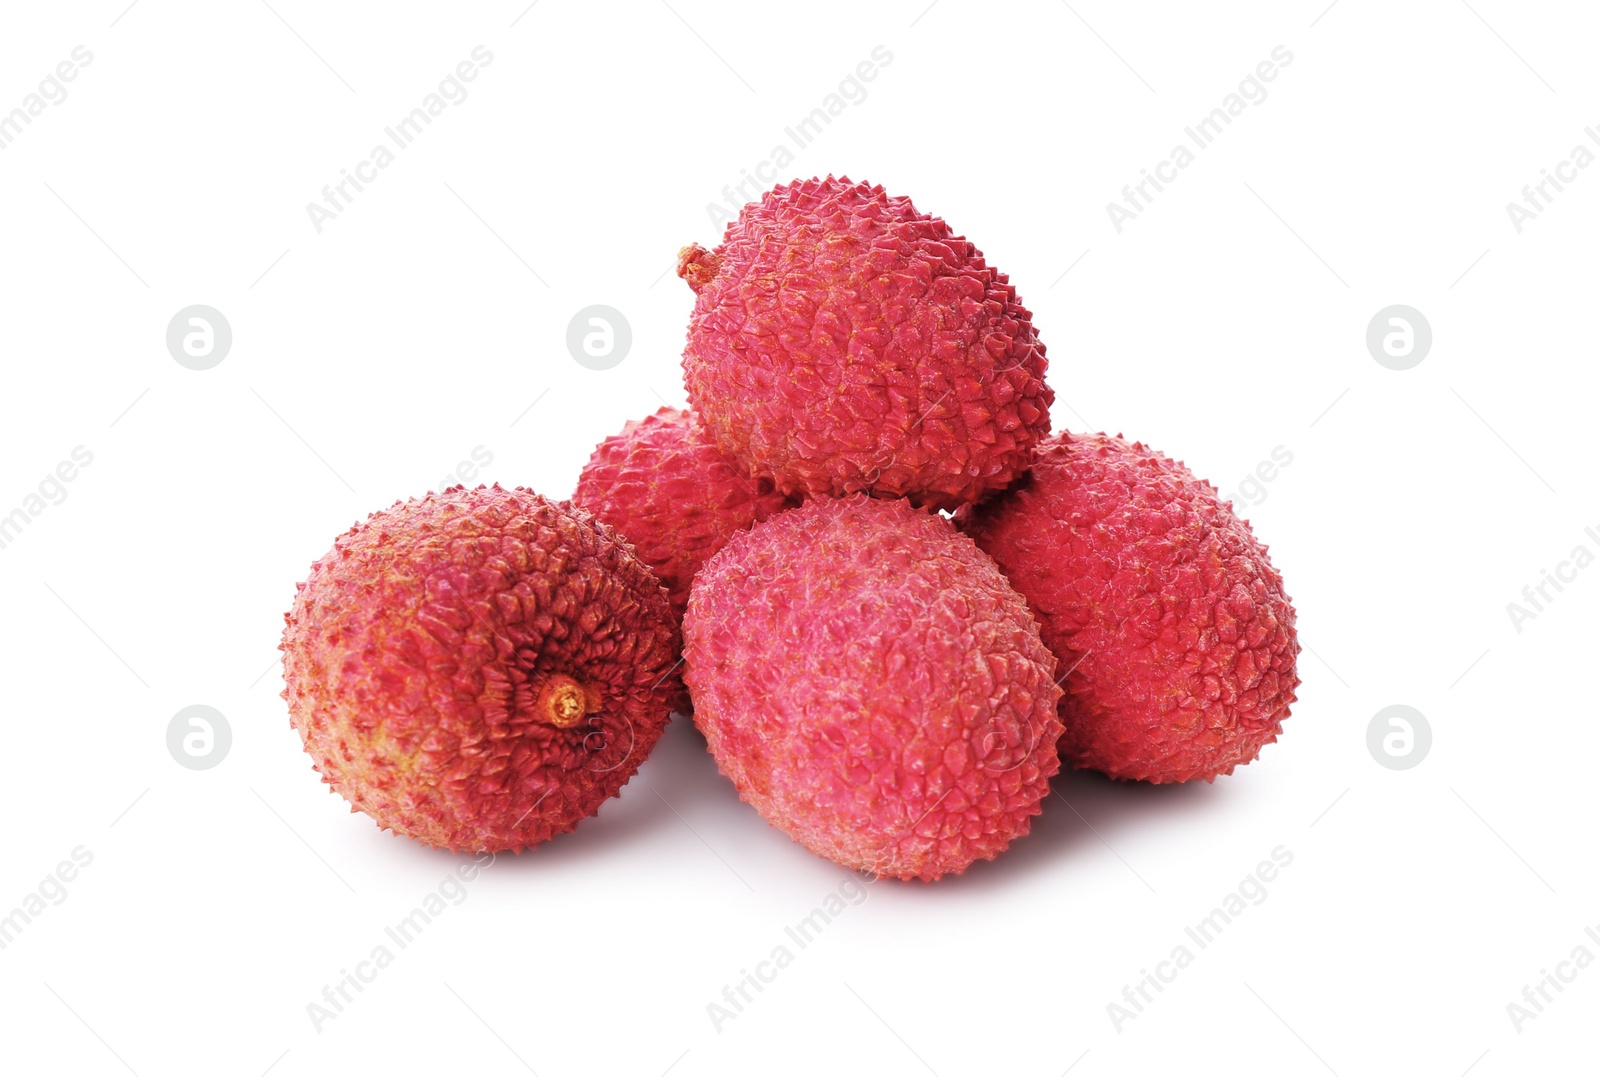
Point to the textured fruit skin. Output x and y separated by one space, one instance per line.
479 669
667 487
873 686
843 342
1175 627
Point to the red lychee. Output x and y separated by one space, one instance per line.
668 489
479 669
841 341
873 687
1173 627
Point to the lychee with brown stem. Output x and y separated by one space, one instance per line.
844 342
479 669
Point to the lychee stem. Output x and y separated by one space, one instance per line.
698 265
561 701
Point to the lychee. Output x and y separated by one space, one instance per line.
873 686
841 341
479 669
669 490
1173 630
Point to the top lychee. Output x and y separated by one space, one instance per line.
843 342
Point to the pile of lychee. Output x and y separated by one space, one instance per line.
891 600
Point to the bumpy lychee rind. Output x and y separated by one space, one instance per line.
1174 627
667 487
479 669
873 687
843 342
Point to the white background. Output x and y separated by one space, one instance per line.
429 320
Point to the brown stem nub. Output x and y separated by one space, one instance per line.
561 701
698 265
